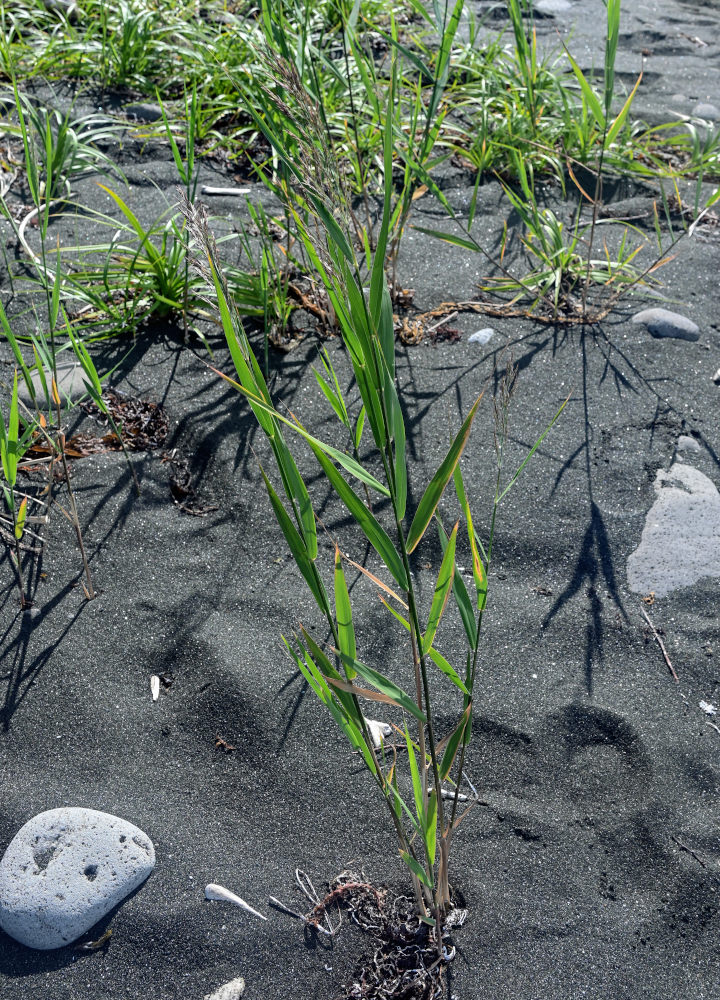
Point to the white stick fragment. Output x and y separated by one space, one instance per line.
449 793
155 687
233 191
224 895
378 731
230 991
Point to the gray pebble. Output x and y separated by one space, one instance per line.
687 443
707 111
663 323
680 542
64 870
481 336
69 381
551 7
144 112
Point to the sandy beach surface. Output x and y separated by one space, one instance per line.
591 866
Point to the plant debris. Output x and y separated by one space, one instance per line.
143 425
183 492
405 964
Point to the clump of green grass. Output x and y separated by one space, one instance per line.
424 824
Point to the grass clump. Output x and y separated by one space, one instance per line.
425 821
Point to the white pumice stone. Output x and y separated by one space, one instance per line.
230 991
64 870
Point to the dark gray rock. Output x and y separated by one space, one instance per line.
64 870
144 112
664 323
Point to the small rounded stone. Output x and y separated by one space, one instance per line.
64 870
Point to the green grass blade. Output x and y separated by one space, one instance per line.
384 685
617 125
296 491
346 700
437 485
297 548
378 282
430 830
587 91
479 575
365 519
442 591
457 241
462 598
532 452
417 784
416 868
442 664
400 463
453 744
343 611
152 254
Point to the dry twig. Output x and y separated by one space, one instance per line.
661 644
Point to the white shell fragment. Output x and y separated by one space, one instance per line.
707 708
378 731
155 687
481 336
230 991
223 895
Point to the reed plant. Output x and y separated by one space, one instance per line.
425 803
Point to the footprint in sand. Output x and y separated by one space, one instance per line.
680 543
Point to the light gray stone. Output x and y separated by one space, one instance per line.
65 870
69 380
552 7
230 991
481 336
707 111
680 542
664 323
687 443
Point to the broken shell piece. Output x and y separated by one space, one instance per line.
378 731
707 708
224 895
230 991
155 687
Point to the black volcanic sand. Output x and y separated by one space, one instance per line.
592 866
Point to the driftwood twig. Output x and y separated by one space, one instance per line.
661 644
